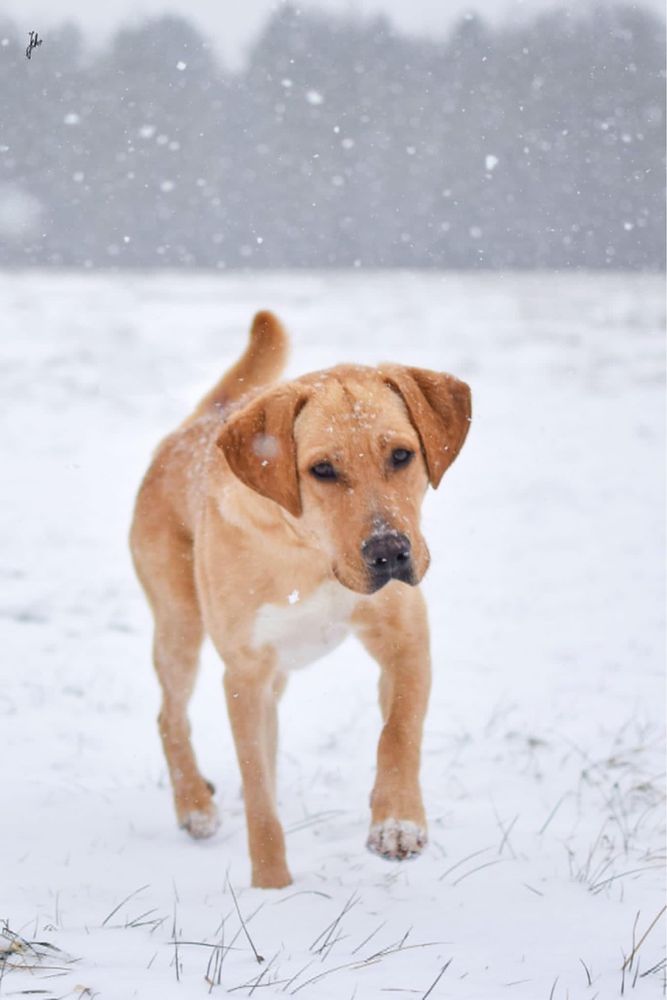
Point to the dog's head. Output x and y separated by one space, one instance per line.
349 453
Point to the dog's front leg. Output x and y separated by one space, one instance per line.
393 627
251 693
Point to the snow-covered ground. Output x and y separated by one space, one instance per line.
543 749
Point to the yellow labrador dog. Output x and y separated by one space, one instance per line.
278 519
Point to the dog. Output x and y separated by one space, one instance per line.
278 518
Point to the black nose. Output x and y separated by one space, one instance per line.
388 558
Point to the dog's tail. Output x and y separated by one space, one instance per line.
261 363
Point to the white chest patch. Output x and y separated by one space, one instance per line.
303 630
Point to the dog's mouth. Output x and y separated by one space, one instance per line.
378 580
357 585
367 582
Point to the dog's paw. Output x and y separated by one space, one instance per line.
396 839
201 823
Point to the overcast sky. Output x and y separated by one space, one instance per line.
233 24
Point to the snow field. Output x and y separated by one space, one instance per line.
543 751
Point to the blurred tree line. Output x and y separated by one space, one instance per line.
340 143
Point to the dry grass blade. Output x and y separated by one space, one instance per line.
296 975
488 864
390 948
122 903
327 972
369 938
437 979
398 989
304 824
255 983
553 813
140 920
12 943
206 944
505 830
25 993
588 975
302 892
468 857
174 937
258 957
214 967
364 963
325 950
17 954
658 967
330 928
632 871
636 947
263 973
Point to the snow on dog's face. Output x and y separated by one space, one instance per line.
349 453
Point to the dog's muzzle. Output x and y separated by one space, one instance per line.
388 557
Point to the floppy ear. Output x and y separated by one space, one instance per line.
258 443
439 407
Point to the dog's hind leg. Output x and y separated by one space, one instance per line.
165 568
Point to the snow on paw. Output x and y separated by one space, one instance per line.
201 823
396 839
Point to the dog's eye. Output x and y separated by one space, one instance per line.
401 456
323 470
